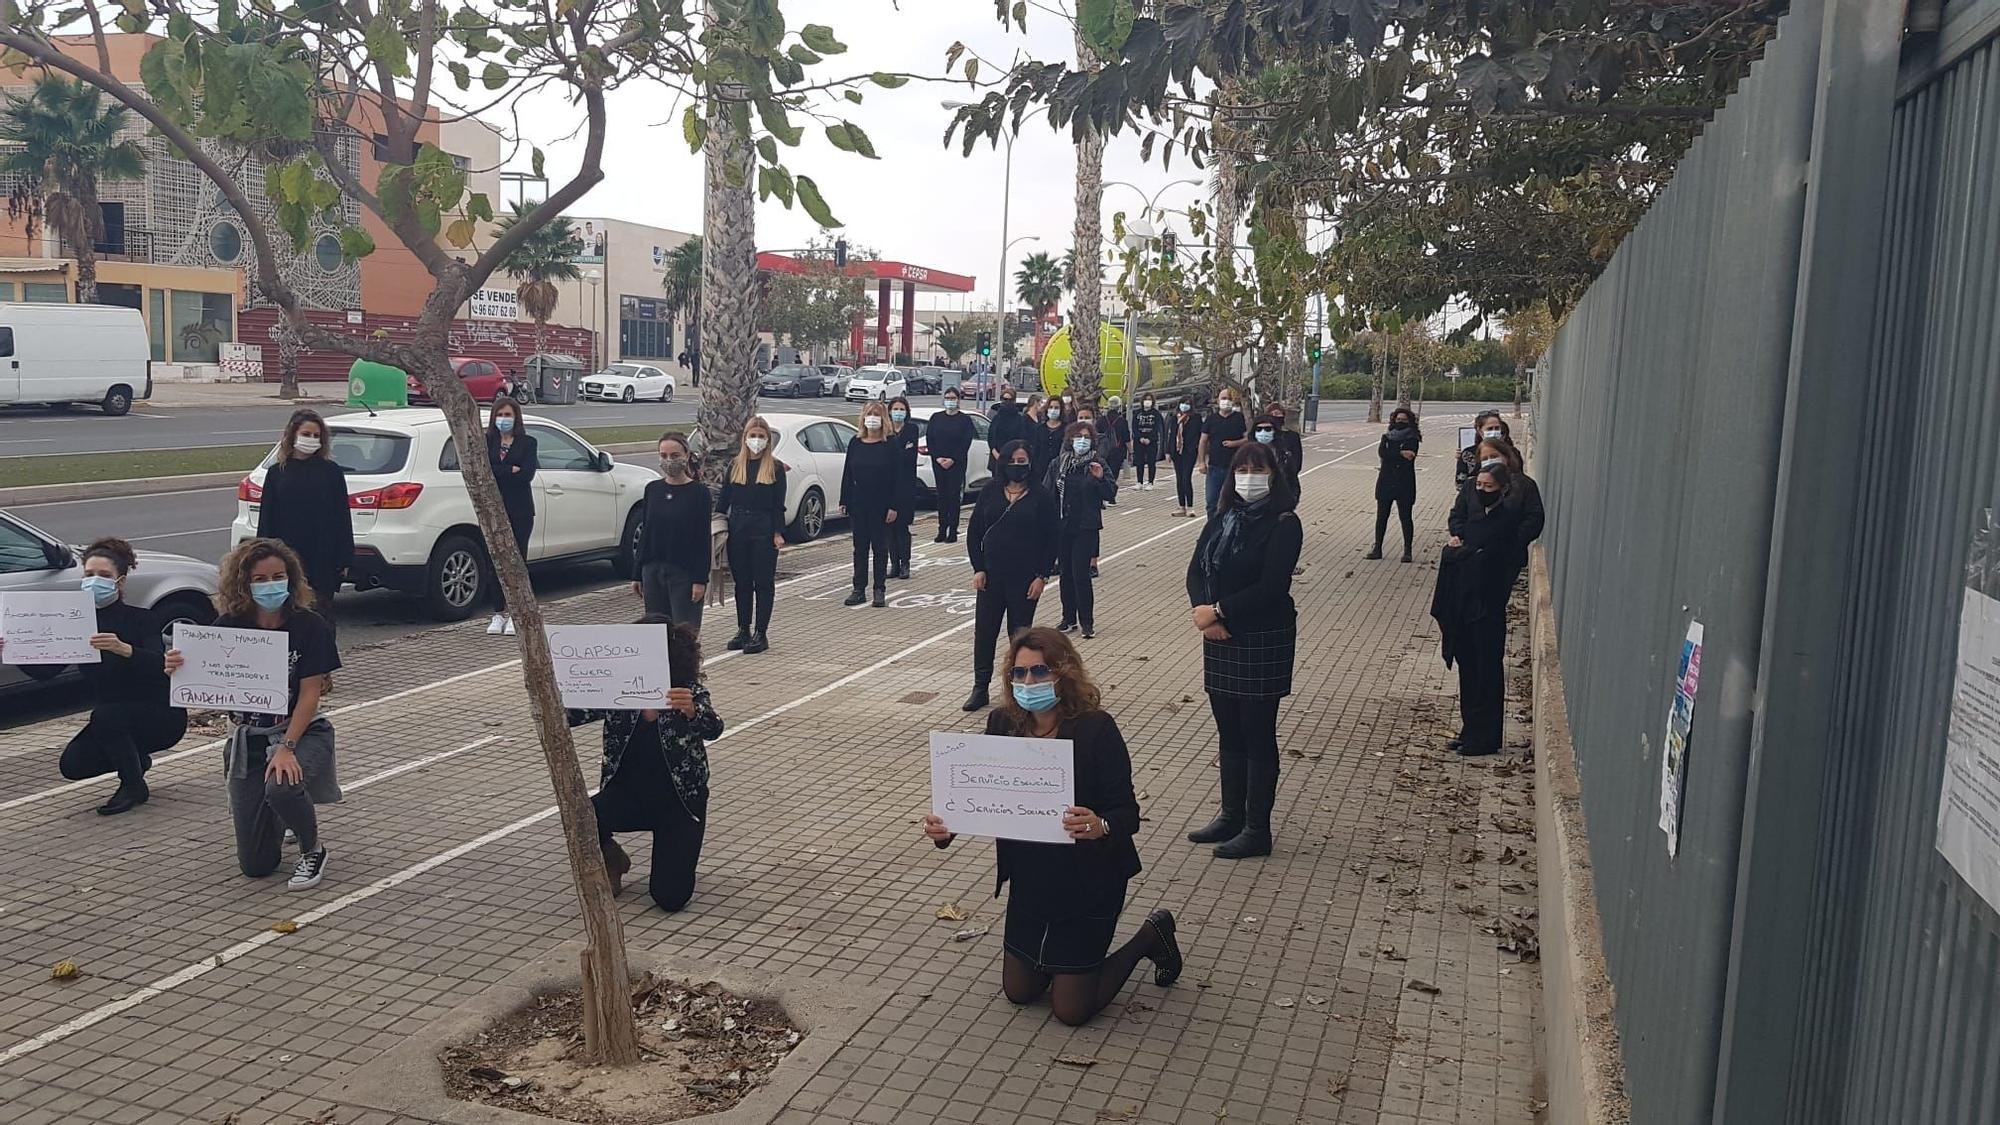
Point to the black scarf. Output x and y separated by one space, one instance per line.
1239 523
1404 433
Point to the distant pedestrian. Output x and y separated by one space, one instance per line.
907 436
305 506
949 436
1240 585
130 720
873 492
754 500
1081 486
1184 447
278 766
655 775
1222 433
1119 435
674 542
1065 900
1489 424
1051 438
1012 547
1149 431
1008 423
1396 479
1287 444
514 456
1470 605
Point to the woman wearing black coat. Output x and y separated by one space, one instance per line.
754 500
511 452
1063 908
1049 439
1184 447
1396 479
1470 605
1081 486
907 436
873 491
304 505
1240 585
1012 545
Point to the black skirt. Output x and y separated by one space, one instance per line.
1250 665
1067 936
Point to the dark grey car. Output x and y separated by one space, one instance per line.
793 380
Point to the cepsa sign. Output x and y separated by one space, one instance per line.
916 273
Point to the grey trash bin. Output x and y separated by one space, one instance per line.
555 378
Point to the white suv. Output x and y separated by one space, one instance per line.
414 529
879 382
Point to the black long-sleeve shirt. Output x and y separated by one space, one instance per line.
1254 587
676 527
949 435
305 506
1010 423
1018 539
753 508
873 480
517 489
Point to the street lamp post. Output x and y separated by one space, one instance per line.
1006 206
1139 234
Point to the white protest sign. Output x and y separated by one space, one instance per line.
1007 788
611 667
48 628
1468 436
225 669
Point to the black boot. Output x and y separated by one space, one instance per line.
741 638
1216 831
978 700
756 645
943 536
616 864
130 795
1229 821
881 597
857 597
1255 839
1374 553
1406 553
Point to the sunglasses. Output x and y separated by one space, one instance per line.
1034 674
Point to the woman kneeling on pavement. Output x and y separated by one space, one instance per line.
1063 909
655 775
1240 584
129 717
279 766
754 500
1013 552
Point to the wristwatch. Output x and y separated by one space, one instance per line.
291 744
1103 828
1217 607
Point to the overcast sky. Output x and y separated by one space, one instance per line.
920 203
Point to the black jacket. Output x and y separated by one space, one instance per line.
949 435
1254 586
1474 579
1184 437
1080 500
305 505
752 508
1060 873
517 490
1017 540
1397 478
1046 446
1009 423
1149 435
874 481
675 531
1291 451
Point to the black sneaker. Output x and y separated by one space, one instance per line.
307 873
855 598
1374 554
741 638
1089 632
1066 626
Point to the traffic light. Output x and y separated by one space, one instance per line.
1167 248
840 253
1313 352
986 343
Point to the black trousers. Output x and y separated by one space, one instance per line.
1482 682
753 566
950 494
871 537
119 737
677 835
522 523
1005 595
1074 550
1246 732
899 538
1402 506
1184 483
1147 471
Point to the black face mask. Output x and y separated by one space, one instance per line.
1017 472
1488 498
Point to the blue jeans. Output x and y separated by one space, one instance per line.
1215 478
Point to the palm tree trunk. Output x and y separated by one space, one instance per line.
86 273
1085 372
541 335
728 291
1228 212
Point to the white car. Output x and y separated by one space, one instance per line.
629 382
879 382
978 462
414 529
813 450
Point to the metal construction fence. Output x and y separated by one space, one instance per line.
1775 416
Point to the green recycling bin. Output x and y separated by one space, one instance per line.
377 386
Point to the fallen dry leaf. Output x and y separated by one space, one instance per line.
1077 1060
285 927
63 970
1509 855
969 935
1389 953
1337 1086
1418 984
950 912
1514 888
1126 1113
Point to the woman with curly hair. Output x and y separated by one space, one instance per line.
278 767
1063 910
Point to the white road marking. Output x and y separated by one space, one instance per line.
228 488
26 441
178 534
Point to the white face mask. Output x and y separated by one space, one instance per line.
873 421
306 445
1491 434
1253 487
1225 406
756 444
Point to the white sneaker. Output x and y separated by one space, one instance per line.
509 630
495 626
307 873
291 838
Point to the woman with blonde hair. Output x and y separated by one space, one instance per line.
873 492
1063 910
753 498
278 767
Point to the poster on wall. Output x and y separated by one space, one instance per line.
591 232
1968 828
1680 720
494 304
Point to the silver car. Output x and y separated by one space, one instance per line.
174 587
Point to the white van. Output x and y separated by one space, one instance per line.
74 353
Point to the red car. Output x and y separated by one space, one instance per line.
482 377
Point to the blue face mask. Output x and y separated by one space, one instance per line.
504 423
897 416
951 404
103 591
1035 697
271 595
1081 445
1266 437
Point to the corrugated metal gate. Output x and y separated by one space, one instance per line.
1776 413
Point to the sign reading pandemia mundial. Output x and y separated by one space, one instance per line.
1058 355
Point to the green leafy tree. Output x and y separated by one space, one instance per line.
546 256
61 143
1040 283
954 339
1530 331
681 282
817 305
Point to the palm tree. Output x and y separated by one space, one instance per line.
729 292
1084 373
682 284
61 142
1039 281
953 338
546 257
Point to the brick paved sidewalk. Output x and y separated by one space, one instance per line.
1298 1003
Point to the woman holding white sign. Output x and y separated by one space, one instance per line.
130 720
1063 910
278 766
